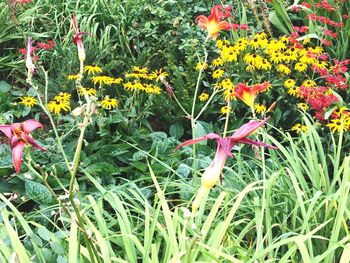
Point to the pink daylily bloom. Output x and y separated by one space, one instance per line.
19 135
78 39
224 146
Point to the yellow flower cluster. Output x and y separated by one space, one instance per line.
60 103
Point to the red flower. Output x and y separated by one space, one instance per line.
19 135
224 147
213 23
30 50
50 44
248 94
78 39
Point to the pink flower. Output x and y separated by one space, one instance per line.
19 135
224 147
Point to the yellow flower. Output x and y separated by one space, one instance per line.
259 108
89 91
58 106
303 106
250 68
241 44
221 43
225 109
158 74
91 70
226 84
201 66
337 125
28 101
309 83
218 73
289 83
293 91
300 66
283 69
73 77
340 111
217 62
62 97
108 103
139 70
203 97
102 80
264 65
298 128
276 57
229 54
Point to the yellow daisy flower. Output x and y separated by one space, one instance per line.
225 109
91 70
158 74
102 80
203 97
303 106
293 91
63 97
259 108
58 106
226 84
336 125
89 91
28 101
217 62
73 77
299 128
309 83
300 67
218 73
283 69
201 66
109 103
289 83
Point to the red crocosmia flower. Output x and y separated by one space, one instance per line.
19 135
248 94
224 146
213 23
50 44
21 1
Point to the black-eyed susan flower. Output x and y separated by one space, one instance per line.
303 106
102 80
58 106
218 73
63 96
294 91
73 77
259 108
227 84
337 125
28 101
309 83
109 103
283 69
264 64
229 54
225 109
217 62
298 128
89 91
201 66
289 83
158 74
203 97
92 69
300 67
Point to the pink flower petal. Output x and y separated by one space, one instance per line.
257 143
247 129
33 142
6 129
17 153
30 125
209 136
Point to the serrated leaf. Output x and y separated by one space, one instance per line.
38 192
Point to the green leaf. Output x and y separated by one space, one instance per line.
57 248
176 130
38 192
4 87
44 233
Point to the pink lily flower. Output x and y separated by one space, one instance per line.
78 39
224 146
19 135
